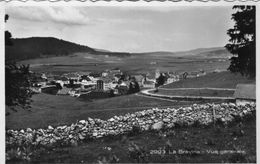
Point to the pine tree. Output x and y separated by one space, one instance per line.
160 80
131 88
17 80
137 87
242 41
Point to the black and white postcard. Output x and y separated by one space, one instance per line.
129 82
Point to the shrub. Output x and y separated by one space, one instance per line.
138 154
135 130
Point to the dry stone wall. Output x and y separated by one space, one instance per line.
155 119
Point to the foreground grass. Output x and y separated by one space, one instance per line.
63 110
239 135
215 80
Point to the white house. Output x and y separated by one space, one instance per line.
93 79
60 82
112 85
107 86
148 84
201 74
170 80
139 79
43 76
104 74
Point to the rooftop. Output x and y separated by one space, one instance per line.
245 91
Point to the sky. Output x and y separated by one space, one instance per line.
125 29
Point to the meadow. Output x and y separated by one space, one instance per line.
223 79
134 64
62 110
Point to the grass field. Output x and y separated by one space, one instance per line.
214 80
136 64
208 141
59 110
198 92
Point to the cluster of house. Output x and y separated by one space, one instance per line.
109 82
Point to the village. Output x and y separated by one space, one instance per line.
129 83
108 83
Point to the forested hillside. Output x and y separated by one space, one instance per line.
35 47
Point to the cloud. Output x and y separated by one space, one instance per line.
61 15
120 21
133 29
159 9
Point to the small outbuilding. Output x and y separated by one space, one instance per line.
245 93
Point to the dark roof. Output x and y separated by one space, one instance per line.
94 74
64 78
85 77
64 91
118 75
150 76
121 87
245 91
148 82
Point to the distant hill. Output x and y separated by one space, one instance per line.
40 47
37 47
215 52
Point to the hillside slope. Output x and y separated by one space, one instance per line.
39 47
213 80
36 47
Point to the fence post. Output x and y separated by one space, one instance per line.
213 115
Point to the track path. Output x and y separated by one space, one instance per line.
158 98
217 89
147 92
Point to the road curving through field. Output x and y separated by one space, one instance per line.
147 92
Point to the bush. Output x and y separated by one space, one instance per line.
135 130
138 154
